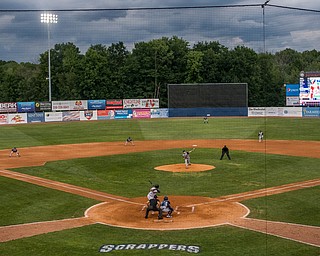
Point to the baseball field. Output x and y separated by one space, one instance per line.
77 189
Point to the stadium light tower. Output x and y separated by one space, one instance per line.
49 18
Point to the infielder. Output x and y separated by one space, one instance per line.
129 140
14 150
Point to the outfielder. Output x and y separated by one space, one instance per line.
260 136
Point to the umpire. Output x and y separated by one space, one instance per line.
154 205
225 151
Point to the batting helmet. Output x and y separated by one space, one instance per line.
165 198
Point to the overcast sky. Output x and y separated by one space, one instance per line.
23 37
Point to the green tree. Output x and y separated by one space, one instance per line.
214 55
311 61
18 82
194 67
117 61
95 83
65 66
149 67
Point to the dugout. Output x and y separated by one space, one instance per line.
208 99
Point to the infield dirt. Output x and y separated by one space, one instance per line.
191 211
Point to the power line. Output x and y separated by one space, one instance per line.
133 8
294 8
266 3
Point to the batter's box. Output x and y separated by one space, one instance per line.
186 209
163 221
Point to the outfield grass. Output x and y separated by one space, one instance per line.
129 175
26 135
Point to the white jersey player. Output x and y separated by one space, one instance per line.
153 191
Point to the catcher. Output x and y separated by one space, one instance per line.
165 206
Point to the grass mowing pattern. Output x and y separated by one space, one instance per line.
218 241
128 175
27 135
25 203
288 207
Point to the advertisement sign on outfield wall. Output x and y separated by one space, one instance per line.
35 117
292 90
290 112
69 105
123 113
105 114
293 101
114 104
141 113
88 115
141 103
19 118
159 113
275 112
45 106
96 104
71 116
257 111
3 119
311 112
272 111
53 117
8 107
25 107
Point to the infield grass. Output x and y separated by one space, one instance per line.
220 241
128 175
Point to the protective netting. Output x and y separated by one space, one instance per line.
23 37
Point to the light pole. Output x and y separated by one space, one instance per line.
49 18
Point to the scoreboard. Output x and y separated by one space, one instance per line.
309 89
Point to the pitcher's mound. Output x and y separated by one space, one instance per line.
182 168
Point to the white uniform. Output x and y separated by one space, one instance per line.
152 193
185 157
260 136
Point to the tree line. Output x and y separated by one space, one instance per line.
116 73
